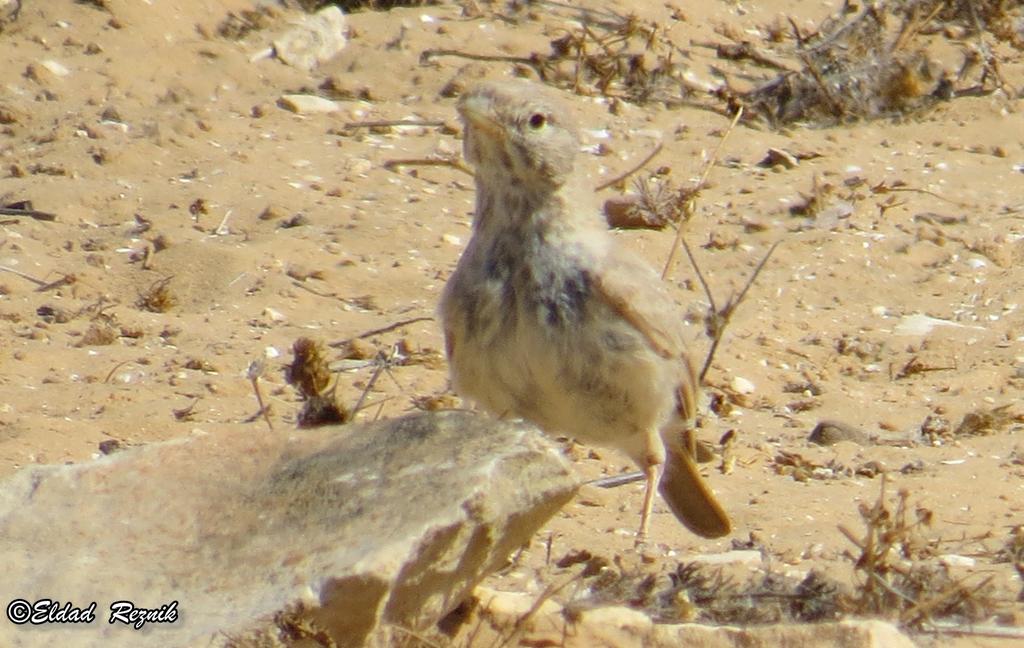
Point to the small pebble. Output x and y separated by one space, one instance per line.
955 560
828 433
274 314
55 68
741 385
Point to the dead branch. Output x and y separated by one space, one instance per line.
38 282
253 373
110 374
745 50
383 329
717 320
377 371
536 61
617 480
27 212
66 280
523 622
391 165
914 366
387 123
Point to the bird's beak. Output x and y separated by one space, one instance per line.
478 112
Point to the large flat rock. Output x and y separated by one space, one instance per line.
392 522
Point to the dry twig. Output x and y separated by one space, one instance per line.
381 330
717 320
391 165
38 282
388 123
895 581
691 199
27 212
253 373
536 61
913 367
512 639
110 374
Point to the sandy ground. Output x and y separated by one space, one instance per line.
156 132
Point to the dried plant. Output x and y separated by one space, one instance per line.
896 577
984 421
871 63
877 62
1013 552
630 58
310 376
654 204
158 298
660 200
694 593
237 26
611 55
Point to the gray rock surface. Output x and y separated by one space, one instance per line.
356 526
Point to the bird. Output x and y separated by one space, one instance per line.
546 318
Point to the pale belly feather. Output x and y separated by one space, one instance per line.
576 369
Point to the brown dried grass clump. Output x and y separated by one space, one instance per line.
236 26
158 298
879 63
897 576
605 53
310 376
693 593
898 579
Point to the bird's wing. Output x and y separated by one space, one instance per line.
633 291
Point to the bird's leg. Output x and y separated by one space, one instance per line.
654 460
651 473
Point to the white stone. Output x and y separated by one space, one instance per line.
314 39
956 560
920 324
741 385
304 104
55 68
738 557
274 315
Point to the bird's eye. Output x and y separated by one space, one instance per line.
537 121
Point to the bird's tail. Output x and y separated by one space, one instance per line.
690 499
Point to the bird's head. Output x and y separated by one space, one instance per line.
517 133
